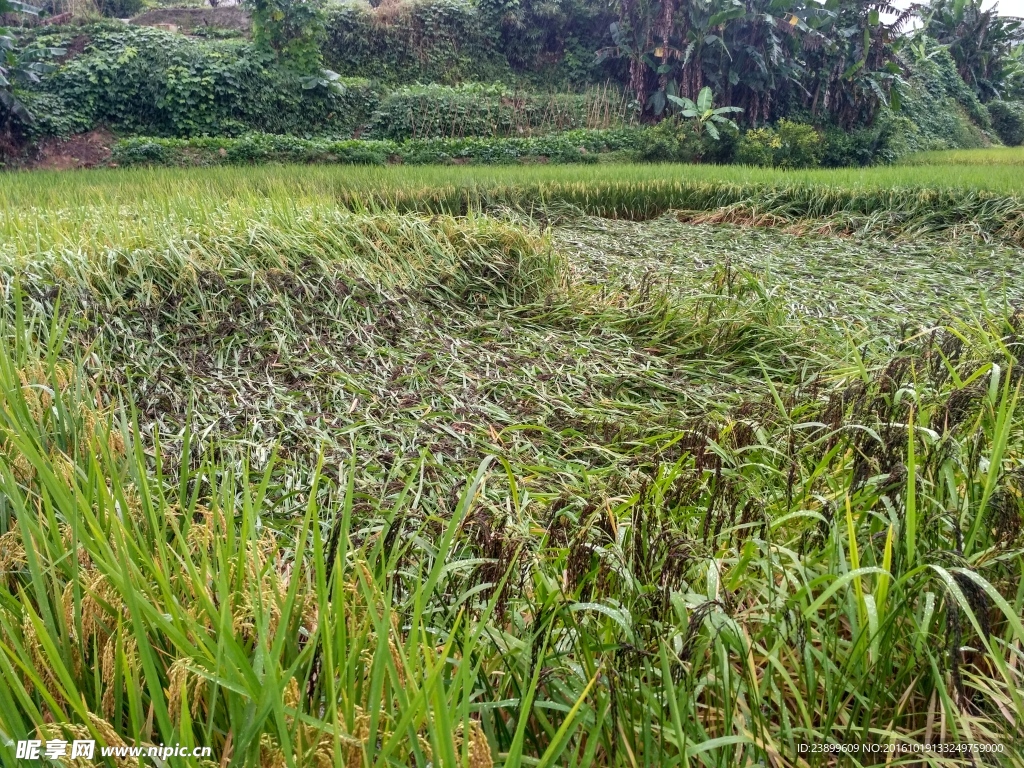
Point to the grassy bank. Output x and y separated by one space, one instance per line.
315 484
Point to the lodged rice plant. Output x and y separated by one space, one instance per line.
909 202
315 487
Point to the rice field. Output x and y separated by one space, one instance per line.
172 186
991 157
636 466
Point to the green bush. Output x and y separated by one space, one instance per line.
844 148
143 152
144 81
891 137
939 75
582 146
662 144
1008 121
786 145
758 147
216 33
569 147
676 141
475 109
52 115
247 150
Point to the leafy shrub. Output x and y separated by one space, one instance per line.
145 81
758 147
582 146
843 148
143 152
476 109
662 144
940 73
890 138
246 150
1008 121
675 141
893 136
570 147
52 115
216 33
786 145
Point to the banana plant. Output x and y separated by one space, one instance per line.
23 66
704 112
981 42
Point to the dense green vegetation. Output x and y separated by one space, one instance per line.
984 46
859 89
150 82
578 146
1008 121
297 464
18 66
475 109
146 81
